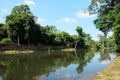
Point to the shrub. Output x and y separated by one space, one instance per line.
5 40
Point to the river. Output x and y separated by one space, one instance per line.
57 65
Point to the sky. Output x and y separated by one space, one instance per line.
66 15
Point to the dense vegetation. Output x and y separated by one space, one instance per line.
21 27
108 18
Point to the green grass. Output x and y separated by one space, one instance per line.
17 52
112 72
67 49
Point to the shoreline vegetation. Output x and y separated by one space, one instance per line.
112 72
20 49
33 51
28 51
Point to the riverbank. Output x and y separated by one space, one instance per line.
34 51
112 72
17 52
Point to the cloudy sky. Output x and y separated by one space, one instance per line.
64 14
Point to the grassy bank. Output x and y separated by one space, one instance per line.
34 51
112 72
17 52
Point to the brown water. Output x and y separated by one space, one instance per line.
73 65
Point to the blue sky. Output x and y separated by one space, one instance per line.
66 15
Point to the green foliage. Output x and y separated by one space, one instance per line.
21 9
80 42
21 28
108 18
66 38
58 39
110 41
98 45
79 30
47 35
117 30
34 34
89 43
20 22
5 40
3 32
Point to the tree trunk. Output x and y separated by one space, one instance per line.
28 41
18 40
76 44
105 38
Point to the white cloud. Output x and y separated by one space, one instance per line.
82 14
39 20
4 10
29 2
67 19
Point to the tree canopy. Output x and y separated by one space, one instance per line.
20 22
21 28
108 17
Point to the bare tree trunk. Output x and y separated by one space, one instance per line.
105 38
76 44
18 38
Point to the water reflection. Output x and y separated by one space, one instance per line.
106 55
46 67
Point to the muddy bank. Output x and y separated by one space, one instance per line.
26 47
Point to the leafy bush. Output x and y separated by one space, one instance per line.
6 40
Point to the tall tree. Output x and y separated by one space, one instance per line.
104 23
19 22
108 16
80 41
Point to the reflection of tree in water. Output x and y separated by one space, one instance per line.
30 66
83 58
22 68
105 54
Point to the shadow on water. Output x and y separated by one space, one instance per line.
35 66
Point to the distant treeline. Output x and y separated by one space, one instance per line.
21 28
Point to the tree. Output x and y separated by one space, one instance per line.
89 43
104 23
111 42
47 34
67 39
34 34
117 30
101 40
3 32
58 40
95 5
108 16
80 40
20 22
